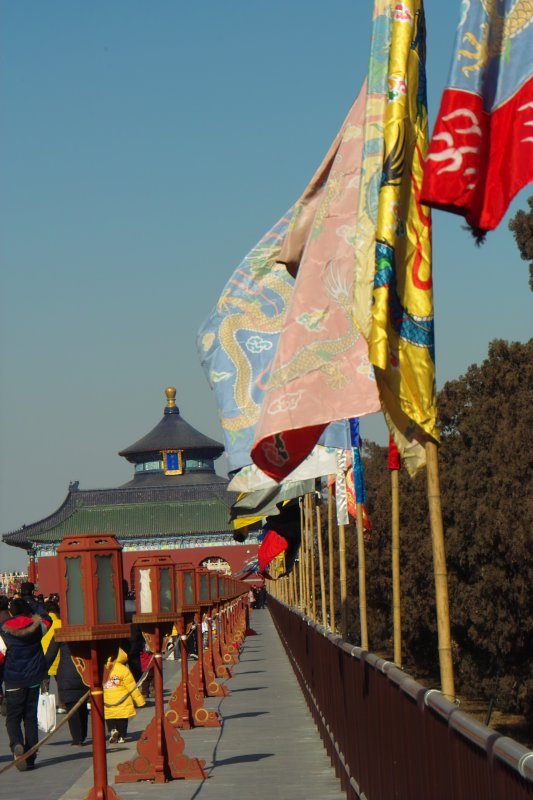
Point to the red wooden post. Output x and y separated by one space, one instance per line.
160 748
92 603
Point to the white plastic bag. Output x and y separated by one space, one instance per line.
46 712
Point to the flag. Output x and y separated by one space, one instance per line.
321 461
282 534
371 168
267 502
272 545
394 455
481 151
402 335
355 479
321 370
352 501
237 342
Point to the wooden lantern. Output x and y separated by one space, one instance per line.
155 589
91 588
186 597
203 587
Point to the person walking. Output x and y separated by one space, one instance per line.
4 615
70 689
24 669
52 609
121 695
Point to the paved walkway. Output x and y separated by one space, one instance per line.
267 747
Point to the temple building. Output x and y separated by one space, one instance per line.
175 503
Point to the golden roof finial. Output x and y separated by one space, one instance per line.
170 392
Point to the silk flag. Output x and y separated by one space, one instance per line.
376 102
321 370
237 342
481 152
402 336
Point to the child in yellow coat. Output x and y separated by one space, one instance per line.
121 695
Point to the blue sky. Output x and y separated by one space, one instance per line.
146 146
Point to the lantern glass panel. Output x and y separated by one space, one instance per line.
213 582
145 589
188 588
75 606
165 591
106 602
204 590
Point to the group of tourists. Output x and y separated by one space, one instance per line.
30 656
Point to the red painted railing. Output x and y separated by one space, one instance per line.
388 737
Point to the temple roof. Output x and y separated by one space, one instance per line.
157 501
172 433
125 509
147 520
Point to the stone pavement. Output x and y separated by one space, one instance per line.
268 746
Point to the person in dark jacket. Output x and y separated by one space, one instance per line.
70 689
27 592
4 615
24 669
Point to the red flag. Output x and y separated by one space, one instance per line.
481 152
394 455
272 545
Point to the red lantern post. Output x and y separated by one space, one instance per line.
211 663
92 604
186 705
160 748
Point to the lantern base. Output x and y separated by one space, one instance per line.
103 793
186 705
153 765
213 689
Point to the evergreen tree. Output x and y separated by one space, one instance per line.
522 227
486 459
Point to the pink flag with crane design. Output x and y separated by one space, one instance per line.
481 152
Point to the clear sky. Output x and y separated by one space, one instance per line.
146 145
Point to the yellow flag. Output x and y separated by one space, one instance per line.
402 333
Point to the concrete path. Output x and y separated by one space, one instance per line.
267 747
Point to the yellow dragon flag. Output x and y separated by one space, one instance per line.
402 333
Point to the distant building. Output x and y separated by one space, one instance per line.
175 503
10 582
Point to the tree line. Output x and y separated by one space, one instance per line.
486 455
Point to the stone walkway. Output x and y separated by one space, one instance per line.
268 746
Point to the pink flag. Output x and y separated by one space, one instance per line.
321 371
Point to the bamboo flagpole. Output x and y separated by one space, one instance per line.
301 571
312 551
323 598
394 467
439 569
343 582
306 559
331 561
396 595
362 575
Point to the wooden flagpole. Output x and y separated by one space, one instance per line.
331 561
306 559
343 582
362 574
312 552
439 569
323 598
396 603
301 571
